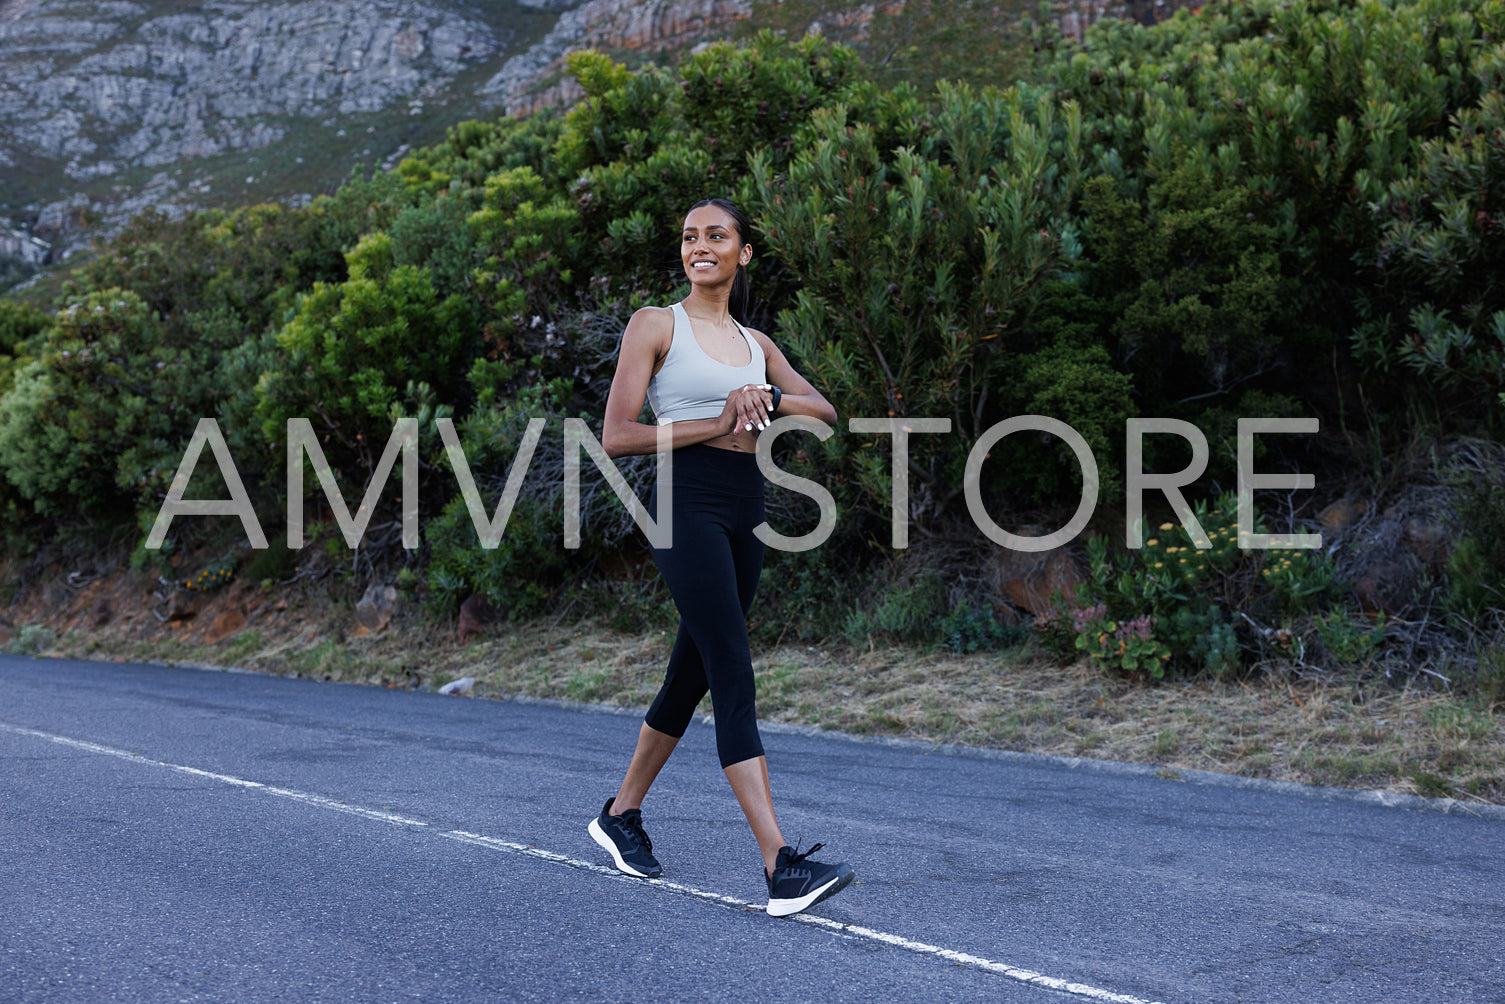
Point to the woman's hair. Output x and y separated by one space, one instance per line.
740 298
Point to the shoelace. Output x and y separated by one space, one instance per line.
634 827
799 856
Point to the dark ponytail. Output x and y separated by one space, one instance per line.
741 297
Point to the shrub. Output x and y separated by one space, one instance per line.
19 322
965 630
473 151
358 355
83 416
808 595
32 639
529 561
918 264
1476 567
1193 281
922 609
1172 606
1347 640
907 611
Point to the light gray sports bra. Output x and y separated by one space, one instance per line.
691 384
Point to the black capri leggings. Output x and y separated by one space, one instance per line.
712 569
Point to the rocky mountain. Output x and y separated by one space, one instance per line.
110 107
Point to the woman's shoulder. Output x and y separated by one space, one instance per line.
763 340
650 330
653 315
652 321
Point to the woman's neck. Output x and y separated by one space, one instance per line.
708 305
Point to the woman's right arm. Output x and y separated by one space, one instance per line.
644 344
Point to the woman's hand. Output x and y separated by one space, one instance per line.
748 408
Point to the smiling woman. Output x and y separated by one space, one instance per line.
714 385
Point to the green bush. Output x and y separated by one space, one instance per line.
1349 641
920 611
358 355
1193 281
1357 142
1476 567
530 562
32 639
90 416
907 611
807 595
473 151
918 265
516 576
965 630
19 322
1171 606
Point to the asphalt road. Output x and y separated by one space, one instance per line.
181 835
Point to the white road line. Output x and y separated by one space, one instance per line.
511 847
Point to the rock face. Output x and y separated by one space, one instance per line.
115 107
102 101
104 85
614 24
111 107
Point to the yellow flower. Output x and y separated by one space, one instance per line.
1167 526
1158 564
1152 542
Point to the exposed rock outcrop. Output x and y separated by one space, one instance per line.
22 247
97 96
105 85
92 92
609 24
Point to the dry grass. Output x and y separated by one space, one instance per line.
1321 732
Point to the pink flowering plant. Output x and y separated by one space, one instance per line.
1128 645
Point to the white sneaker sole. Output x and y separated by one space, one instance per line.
788 907
600 837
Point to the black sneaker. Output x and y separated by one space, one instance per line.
798 883
625 840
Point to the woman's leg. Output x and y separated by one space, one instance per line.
749 778
712 575
750 783
648 759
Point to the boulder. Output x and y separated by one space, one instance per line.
1386 586
1029 580
227 623
477 616
1429 540
182 605
376 607
1338 516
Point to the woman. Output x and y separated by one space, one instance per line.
716 385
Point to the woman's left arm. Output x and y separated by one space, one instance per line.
799 396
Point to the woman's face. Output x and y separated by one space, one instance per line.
710 247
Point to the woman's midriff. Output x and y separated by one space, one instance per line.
740 441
